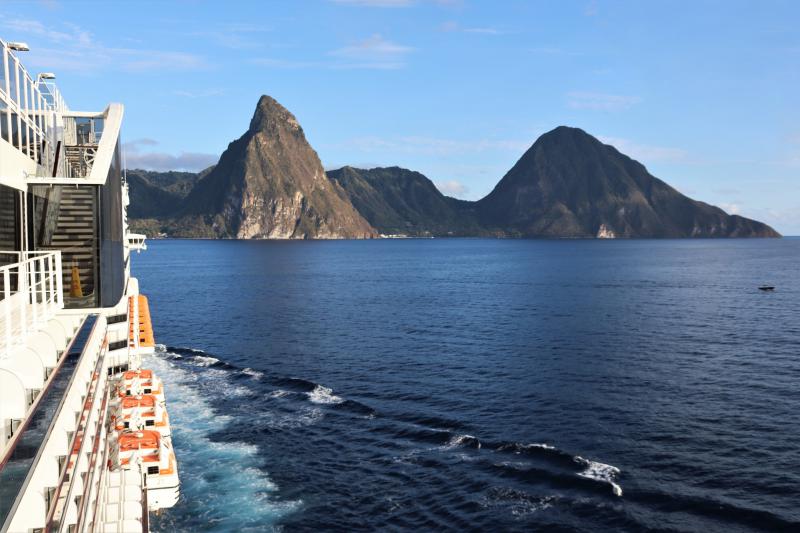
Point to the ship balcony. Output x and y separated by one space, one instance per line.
136 241
30 295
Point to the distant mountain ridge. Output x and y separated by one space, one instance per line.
395 201
269 183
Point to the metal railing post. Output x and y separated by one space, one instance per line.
40 279
59 281
22 287
30 265
7 307
48 278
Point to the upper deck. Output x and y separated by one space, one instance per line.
41 139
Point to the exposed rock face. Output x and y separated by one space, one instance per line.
399 201
569 184
270 184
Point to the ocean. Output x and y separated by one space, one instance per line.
469 384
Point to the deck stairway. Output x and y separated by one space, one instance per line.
8 225
75 235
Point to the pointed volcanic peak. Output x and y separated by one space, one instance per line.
270 184
569 184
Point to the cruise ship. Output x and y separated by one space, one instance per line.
85 442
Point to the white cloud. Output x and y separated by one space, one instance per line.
137 157
70 48
234 36
486 31
600 101
786 220
730 208
646 152
453 26
452 188
373 52
34 27
730 191
433 146
270 62
145 141
552 51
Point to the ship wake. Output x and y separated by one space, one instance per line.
216 476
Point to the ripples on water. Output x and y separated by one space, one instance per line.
470 384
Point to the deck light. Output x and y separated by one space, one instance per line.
46 76
19 47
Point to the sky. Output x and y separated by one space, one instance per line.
706 94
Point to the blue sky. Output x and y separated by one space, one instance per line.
705 94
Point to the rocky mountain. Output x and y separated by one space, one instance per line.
569 184
270 184
399 201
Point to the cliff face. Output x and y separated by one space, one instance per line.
270 184
569 184
399 201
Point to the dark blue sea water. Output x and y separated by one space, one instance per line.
480 384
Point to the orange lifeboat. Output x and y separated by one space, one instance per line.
139 440
140 382
140 412
142 373
154 457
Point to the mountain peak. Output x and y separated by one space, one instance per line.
564 133
270 183
270 115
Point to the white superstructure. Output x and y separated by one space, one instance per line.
85 443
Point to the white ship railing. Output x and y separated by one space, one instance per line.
31 295
26 108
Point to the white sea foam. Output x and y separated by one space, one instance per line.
278 393
204 360
518 503
539 445
460 440
323 395
303 417
223 384
600 472
215 476
253 373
